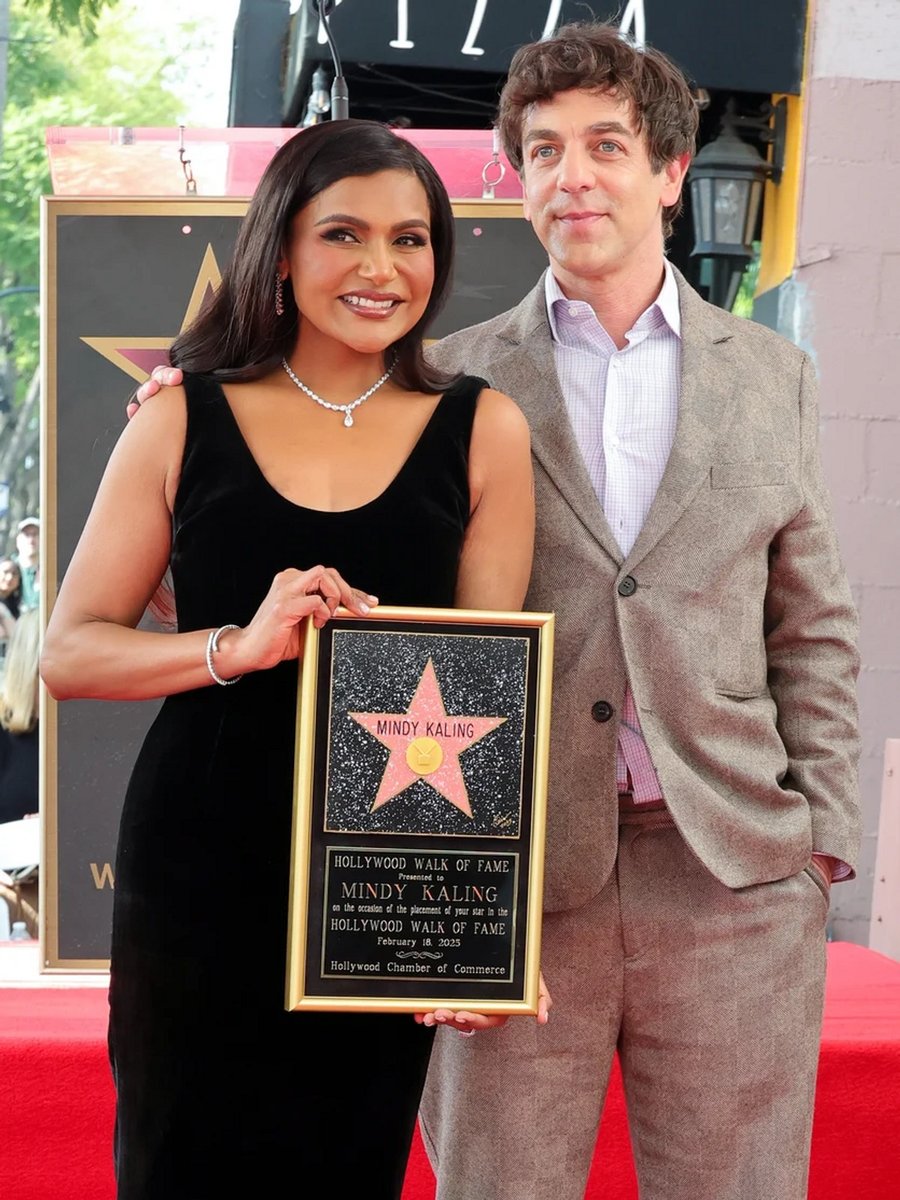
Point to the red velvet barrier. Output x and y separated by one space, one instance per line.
58 1100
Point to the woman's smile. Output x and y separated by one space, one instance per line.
377 305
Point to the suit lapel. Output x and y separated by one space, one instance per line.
704 406
527 372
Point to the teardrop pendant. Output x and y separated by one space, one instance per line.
348 420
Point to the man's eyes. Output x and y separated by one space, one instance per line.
547 152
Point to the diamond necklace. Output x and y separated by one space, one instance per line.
346 409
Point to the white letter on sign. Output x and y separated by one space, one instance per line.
475 28
635 16
322 39
552 20
402 42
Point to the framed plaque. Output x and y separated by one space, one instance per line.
420 811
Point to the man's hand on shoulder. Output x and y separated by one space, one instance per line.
160 377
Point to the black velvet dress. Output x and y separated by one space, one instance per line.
220 1091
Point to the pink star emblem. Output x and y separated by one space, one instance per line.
137 356
425 743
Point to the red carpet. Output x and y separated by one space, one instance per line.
58 1101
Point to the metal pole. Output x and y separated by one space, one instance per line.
4 54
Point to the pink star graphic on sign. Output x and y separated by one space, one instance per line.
137 356
425 743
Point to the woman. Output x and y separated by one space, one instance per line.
7 625
10 596
10 585
309 431
19 721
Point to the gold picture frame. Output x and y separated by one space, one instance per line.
420 811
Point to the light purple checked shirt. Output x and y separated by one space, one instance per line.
623 405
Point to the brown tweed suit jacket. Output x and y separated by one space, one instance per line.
739 639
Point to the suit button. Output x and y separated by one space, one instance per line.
601 711
628 586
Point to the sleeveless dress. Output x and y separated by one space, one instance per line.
220 1091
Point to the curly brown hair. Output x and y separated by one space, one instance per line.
594 56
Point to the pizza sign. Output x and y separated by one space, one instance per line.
742 45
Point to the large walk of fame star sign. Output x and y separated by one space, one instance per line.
420 811
425 742
121 278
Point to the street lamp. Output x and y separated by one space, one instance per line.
726 179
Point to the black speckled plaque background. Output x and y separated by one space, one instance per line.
484 675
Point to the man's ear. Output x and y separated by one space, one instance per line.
674 172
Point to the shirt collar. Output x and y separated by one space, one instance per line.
666 304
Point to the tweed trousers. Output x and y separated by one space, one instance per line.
713 997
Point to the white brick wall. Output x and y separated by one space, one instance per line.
857 39
846 304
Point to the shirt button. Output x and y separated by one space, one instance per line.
628 586
573 311
601 711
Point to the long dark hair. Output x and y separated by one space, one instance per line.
237 336
14 599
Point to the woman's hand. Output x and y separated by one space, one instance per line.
471 1022
463 1022
274 634
545 1002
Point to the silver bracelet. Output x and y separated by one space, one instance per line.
212 646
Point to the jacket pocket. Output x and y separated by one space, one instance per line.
761 473
819 882
736 692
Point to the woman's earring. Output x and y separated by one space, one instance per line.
279 295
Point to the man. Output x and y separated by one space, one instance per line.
704 744
28 556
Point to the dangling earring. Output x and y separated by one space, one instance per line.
279 295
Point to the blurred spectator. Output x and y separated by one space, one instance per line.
10 585
7 625
10 595
28 556
20 894
19 721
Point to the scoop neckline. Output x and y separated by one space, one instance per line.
331 512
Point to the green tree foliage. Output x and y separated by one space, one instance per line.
743 303
80 15
56 79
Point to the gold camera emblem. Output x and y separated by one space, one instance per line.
424 756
